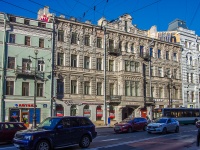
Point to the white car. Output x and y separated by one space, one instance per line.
163 125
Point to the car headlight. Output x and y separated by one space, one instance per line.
28 137
124 126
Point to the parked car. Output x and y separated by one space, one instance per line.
8 130
198 124
129 125
163 125
57 132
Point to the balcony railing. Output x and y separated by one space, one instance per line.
113 51
29 71
114 98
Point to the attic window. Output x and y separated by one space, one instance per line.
12 19
40 24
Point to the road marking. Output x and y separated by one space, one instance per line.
110 140
129 142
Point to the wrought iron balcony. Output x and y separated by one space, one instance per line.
113 98
30 72
113 51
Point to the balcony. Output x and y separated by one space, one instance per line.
114 99
149 101
115 52
29 72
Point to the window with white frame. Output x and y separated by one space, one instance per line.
41 65
11 62
73 60
111 89
61 36
188 77
99 88
25 88
159 53
175 74
99 42
188 96
87 40
192 74
111 65
167 55
74 38
175 56
73 87
132 88
41 43
131 66
60 87
192 96
160 92
126 47
40 89
141 51
111 45
132 48
26 65
27 41
86 87
60 59
86 62
160 71
9 87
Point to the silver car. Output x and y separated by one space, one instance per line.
163 125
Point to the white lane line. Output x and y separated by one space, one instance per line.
109 140
129 142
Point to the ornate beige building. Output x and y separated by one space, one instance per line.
79 60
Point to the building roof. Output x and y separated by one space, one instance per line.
174 25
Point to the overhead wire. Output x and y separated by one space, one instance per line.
195 14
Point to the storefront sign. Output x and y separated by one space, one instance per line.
87 113
99 113
25 105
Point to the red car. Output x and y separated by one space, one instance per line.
8 130
128 125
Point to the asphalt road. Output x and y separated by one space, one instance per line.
140 140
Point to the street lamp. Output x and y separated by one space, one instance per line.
35 86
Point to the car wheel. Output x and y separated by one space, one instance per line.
164 131
84 142
130 130
145 128
177 129
43 145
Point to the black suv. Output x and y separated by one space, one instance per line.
57 132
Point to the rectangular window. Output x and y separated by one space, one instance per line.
27 40
73 60
111 45
131 66
41 65
127 65
25 89
9 87
87 88
131 88
61 36
192 77
160 94
168 72
111 89
111 65
132 48
41 24
176 94
141 51
151 52
192 94
86 62
60 59
99 64
26 65
74 38
73 87
126 47
187 77
160 71
87 40
188 96
175 74
12 19
127 88
12 38
27 22
11 62
60 87
41 43
167 55
40 89
175 57
159 53
99 88
99 42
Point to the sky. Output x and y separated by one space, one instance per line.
145 13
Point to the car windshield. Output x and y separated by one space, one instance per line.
48 123
161 120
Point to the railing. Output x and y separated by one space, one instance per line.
114 98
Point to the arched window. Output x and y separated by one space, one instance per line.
191 60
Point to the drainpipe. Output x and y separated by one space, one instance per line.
3 63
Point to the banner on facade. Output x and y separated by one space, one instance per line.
87 113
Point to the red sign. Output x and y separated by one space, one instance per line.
26 105
44 18
86 112
99 113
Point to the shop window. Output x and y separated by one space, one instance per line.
9 87
11 62
99 113
25 89
39 89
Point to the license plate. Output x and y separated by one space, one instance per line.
16 145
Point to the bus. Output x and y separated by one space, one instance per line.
183 115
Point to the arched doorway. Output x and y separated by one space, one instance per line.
73 110
99 113
59 110
86 111
127 112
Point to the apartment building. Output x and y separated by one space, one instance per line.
25 46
